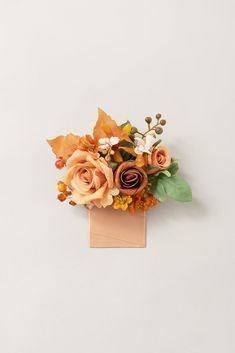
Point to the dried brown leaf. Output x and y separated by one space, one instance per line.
64 146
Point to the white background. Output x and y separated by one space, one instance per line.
59 61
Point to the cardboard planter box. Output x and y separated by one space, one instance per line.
111 228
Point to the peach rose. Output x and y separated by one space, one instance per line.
160 158
130 179
90 179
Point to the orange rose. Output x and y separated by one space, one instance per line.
130 179
90 179
160 158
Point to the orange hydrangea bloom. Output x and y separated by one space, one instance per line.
143 203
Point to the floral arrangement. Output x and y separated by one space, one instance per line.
118 166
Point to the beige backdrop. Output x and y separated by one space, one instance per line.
60 60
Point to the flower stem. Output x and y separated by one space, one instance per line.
150 129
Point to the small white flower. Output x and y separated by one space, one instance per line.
114 140
106 143
144 145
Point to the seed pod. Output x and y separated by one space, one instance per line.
133 130
132 136
158 116
72 203
159 130
163 122
148 120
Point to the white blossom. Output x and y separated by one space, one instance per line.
145 145
107 143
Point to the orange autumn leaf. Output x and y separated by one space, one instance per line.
140 161
117 156
64 146
107 127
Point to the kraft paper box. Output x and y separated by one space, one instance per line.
111 228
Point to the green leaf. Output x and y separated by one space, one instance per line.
165 172
157 188
126 156
176 188
127 144
124 124
151 166
173 167
113 165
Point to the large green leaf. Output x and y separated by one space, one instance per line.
157 188
176 188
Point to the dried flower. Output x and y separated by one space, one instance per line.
143 203
122 202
